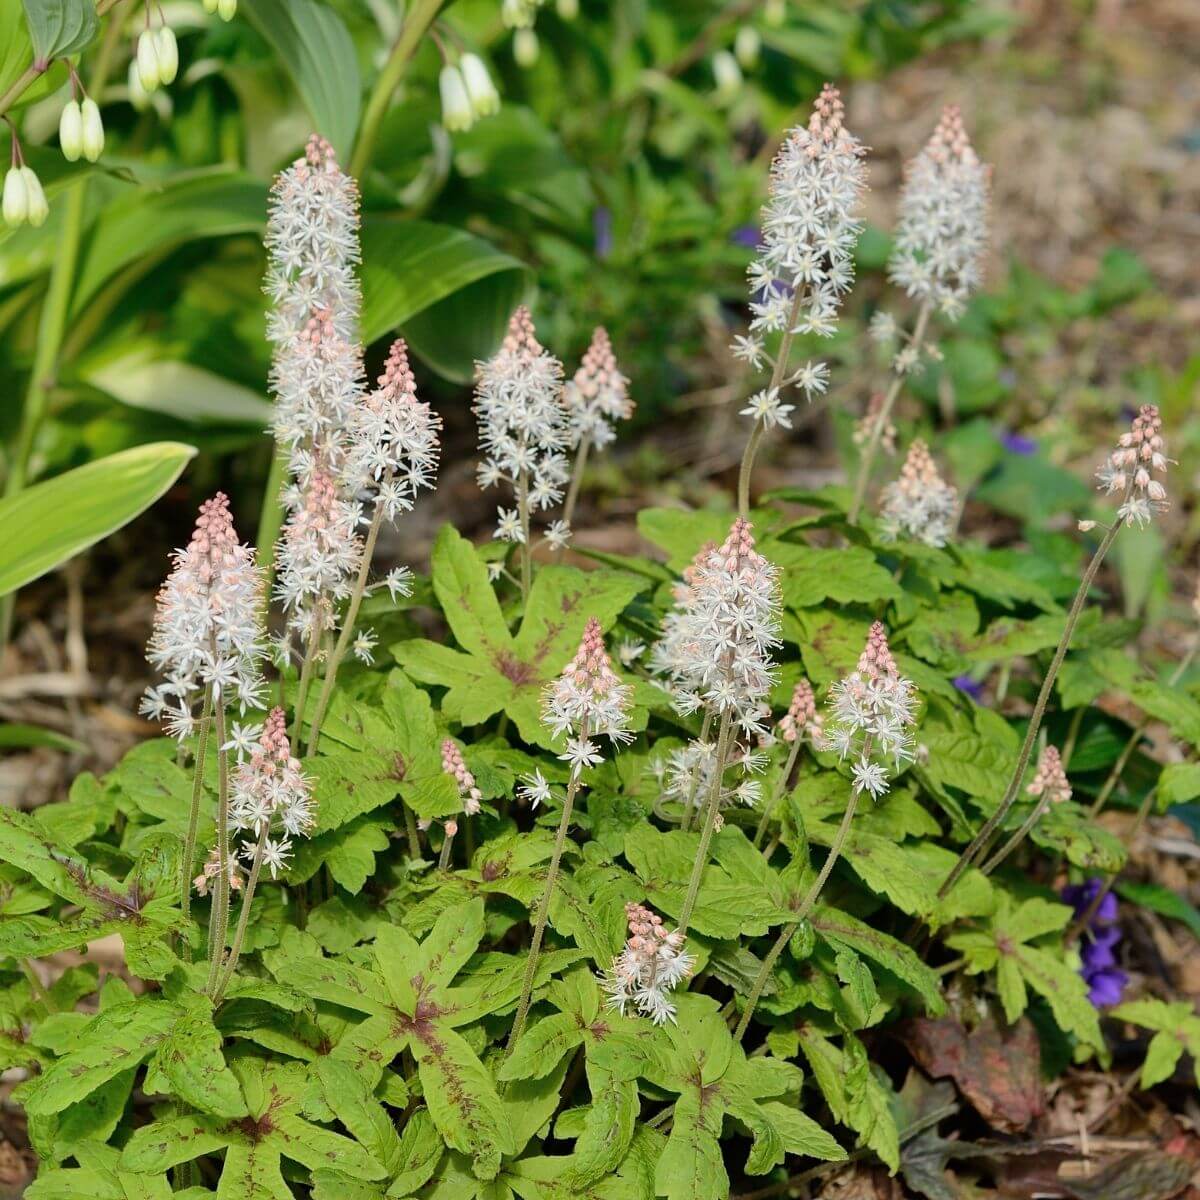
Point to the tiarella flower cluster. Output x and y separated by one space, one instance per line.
587 700
652 963
597 397
942 231
392 440
1050 780
319 553
715 649
802 716
864 426
872 713
522 422
1129 471
453 765
920 504
687 775
805 264
207 623
271 798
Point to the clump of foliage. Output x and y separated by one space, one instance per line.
610 887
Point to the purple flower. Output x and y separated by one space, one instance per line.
602 231
1018 443
973 687
1098 961
746 235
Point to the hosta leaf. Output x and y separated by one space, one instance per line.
54 520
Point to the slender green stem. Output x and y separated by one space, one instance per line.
1127 750
1016 839
980 842
306 670
189 845
417 20
343 642
411 832
524 549
756 434
270 517
724 738
689 807
444 856
543 912
881 418
806 906
239 935
1072 738
25 80
219 921
779 790
581 457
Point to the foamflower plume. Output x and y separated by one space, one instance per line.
919 505
586 700
942 230
1050 780
649 967
872 712
1130 470
207 623
802 716
456 768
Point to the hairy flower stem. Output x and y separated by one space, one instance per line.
724 738
417 20
1017 838
306 670
756 434
343 642
1127 750
543 912
984 836
806 906
189 845
523 512
881 418
581 457
444 856
412 832
219 920
689 808
239 935
779 791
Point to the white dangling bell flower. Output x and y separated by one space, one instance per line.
485 100
16 198
457 113
138 96
526 48
147 60
227 9
168 55
38 209
93 130
70 131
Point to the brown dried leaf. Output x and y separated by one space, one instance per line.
998 1071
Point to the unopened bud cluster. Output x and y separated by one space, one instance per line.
651 964
1050 779
453 765
802 716
1129 471
920 504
